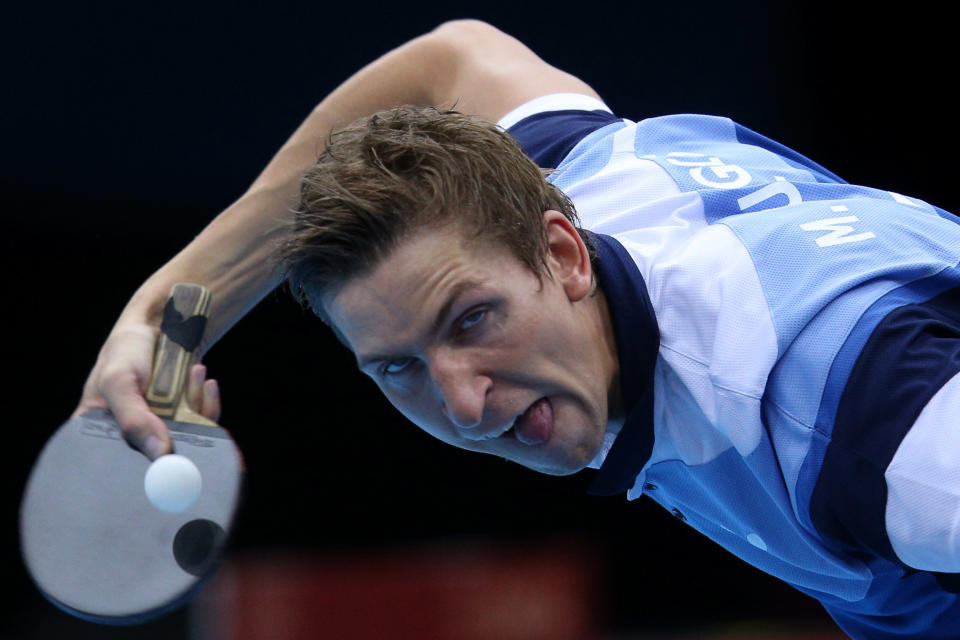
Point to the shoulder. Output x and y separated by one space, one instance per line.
550 126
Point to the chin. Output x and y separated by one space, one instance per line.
556 471
565 463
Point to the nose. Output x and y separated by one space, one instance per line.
461 389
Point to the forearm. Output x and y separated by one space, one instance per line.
233 255
467 64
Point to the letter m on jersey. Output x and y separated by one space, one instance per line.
838 230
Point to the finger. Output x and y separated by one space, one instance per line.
211 400
140 426
194 390
88 403
90 398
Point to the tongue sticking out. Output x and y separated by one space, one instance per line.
536 423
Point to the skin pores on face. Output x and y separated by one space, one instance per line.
476 350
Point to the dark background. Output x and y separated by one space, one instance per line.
126 126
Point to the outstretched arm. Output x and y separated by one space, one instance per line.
466 63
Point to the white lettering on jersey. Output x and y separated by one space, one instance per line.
780 187
673 155
740 176
837 228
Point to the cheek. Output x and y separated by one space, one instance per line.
543 318
404 403
525 333
420 412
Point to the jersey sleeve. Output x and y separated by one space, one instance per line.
890 479
549 127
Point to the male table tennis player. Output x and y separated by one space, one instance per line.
766 351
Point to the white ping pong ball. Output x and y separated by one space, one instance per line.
172 483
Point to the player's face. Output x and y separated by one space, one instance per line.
468 344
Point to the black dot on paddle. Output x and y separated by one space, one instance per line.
196 544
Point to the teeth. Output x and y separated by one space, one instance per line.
497 434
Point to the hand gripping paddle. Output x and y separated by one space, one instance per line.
92 540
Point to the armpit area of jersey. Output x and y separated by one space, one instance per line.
549 136
890 461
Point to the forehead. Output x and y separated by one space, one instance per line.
413 283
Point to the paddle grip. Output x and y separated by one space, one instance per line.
184 320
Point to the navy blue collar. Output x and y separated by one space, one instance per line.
638 341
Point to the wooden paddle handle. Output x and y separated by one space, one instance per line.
184 320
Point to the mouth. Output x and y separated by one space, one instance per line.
507 431
534 425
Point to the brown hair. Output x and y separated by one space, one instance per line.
409 168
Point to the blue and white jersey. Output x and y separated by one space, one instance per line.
802 404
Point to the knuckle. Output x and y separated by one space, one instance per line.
129 425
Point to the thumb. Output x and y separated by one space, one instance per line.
142 428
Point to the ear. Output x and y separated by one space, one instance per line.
568 258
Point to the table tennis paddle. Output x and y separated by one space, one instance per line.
91 539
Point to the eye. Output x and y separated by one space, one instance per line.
395 366
472 319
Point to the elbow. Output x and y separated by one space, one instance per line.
464 27
469 35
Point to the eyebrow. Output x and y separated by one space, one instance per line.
455 292
458 289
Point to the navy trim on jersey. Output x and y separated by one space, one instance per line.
920 608
788 155
911 353
946 215
549 136
638 341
